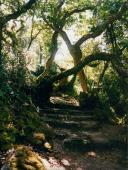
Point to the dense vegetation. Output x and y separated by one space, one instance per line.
32 32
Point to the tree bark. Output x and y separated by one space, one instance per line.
76 53
77 56
0 45
53 51
16 14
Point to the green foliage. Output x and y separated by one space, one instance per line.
113 95
105 8
18 117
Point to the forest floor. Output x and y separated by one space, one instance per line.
80 141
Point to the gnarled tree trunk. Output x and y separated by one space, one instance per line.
53 51
77 56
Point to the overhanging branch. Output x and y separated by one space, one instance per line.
53 51
101 28
77 10
79 66
17 13
60 4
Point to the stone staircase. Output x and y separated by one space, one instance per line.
79 130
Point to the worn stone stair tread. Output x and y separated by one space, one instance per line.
65 111
69 117
64 133
88 122
62 124
101 138
72 131
92 134
85 140
59 134
71 124
77 143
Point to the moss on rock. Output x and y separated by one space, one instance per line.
24 158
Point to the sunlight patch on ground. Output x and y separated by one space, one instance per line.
52 164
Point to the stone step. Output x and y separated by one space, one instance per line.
65 111
62 124
65 133
89 140
77 143
62 134
69 117
86 125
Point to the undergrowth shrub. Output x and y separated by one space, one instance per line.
110 99
18 116
114 96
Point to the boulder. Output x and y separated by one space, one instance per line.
38 138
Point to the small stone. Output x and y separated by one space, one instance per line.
47 146
92 154
65 162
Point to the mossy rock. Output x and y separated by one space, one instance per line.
24 158
38 138
47 130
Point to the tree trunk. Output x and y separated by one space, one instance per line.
106 65
44 84
0 45
53 51
77 55
83 81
